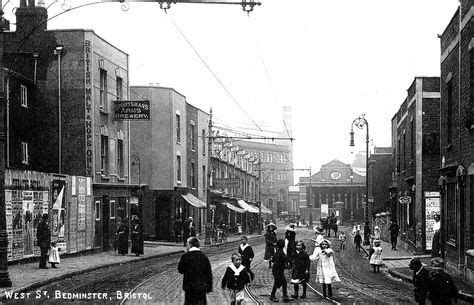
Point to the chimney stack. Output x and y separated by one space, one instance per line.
31 18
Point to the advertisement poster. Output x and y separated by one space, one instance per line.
432 207
27 213
17 225
58 210
324 210
9 219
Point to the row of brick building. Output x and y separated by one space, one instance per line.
432 141
67 152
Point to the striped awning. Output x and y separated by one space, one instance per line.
249 208
194 201
233 207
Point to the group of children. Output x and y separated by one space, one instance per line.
238 274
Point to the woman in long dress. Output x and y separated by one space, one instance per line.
122 238
326 269
136 235
270 242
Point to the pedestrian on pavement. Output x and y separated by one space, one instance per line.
290 237
442 289
376 258
270 243
342 240
189 228
278 271
137 235
239 229
435 245
394 230
357 240
122 238
178 230
235 279
43 236
54 252
246 251
326 269
301 268
197 273
376 236
421 280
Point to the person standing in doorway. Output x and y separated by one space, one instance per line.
394 229
435 246
43 236
197 274
178 230
122 238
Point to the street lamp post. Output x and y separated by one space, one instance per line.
352 196
360 122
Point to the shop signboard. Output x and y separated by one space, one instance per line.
132 110
432 208
226 183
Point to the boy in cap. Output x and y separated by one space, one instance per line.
278 270
442 289
421 278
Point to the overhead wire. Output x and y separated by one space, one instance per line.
213 73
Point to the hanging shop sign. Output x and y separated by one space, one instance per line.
132 110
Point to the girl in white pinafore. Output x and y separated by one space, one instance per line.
326 269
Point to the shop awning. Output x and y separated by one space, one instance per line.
247 207
265 210
194 201
233 207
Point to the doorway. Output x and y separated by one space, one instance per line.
105 223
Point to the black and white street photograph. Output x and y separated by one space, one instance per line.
236 152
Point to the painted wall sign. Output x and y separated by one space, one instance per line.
432 207
132 110
88 107
226 183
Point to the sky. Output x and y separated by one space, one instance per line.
330 61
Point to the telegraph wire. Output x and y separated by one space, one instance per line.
214 74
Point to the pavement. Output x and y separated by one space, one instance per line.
26 276
396 263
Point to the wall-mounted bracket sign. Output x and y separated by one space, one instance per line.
132 110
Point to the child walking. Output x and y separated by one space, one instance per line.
376 258
342 240
357 240
246 251
278 270
326 269
54 254
301 267
235 279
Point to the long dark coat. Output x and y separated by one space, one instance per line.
270 240
301 263
442 289
43 235
290 236
122 239
196 268
136 235
279 262
421 284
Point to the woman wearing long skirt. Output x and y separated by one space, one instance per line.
122 238
136 235
270 242
326 270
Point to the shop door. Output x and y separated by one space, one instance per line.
105 223
163 218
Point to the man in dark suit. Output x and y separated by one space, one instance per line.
43 237
197 273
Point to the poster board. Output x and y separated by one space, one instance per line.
432 207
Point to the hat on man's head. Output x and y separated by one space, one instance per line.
45 216
415 264
437 262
